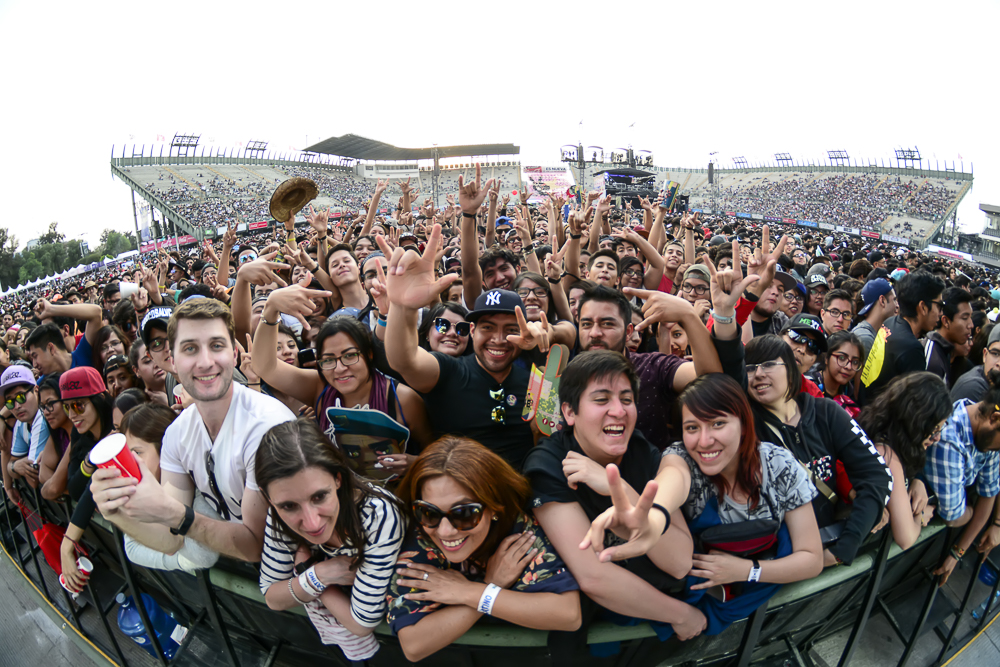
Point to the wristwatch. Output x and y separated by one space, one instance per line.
186 523
722 319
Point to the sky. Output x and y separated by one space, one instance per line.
682 80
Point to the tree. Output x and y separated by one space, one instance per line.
52 236
10 263
114 243
31 270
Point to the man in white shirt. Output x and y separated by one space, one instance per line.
209 449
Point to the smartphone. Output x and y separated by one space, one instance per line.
307 356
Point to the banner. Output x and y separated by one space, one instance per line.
756 217
770 218
241 227
825 225
869 235
841 228
855 231
540 181
168 243
219 231
896 239
806 223
743 215
788 221
954 254
258 225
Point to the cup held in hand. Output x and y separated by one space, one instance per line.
113 452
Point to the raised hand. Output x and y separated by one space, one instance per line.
261 271
380 187
318 220
294 300
471 195
404 185
246 361
726 287
140 300
624 518
506 199
229 238
378 291
410 281
524 194
494 192
644 203
604 205
532 334
660 306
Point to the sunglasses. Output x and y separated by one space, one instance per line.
803 339
463 517
76 406
249 257
214 485
443 326
157 344
20 398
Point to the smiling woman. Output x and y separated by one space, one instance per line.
475 550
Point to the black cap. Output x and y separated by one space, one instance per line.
495 301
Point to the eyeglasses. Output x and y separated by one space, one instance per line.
539 292
698 290
76 406
157 344
249 257
214 485
20 397
839 314
939 304
794 296
803 339
767 366
822 289
846 362
49 406
443 325
463 517
936 433
993 353
499 413
633 273
329 362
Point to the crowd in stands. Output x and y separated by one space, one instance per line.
342 404
864 201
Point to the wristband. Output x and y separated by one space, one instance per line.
294 596
750 297
666 514
956 552
264 320
554 282
722 319
381 321
469 215
487 599
186 523
310 582
83 469
754 571
576 236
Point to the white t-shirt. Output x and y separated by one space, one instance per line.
186 443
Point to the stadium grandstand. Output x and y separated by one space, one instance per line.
905 204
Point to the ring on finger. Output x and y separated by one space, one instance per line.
425 576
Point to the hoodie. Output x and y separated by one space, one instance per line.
937 354
825 435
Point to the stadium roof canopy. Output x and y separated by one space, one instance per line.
362 148
988 208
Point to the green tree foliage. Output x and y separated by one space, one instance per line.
54 254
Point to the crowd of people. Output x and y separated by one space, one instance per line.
357 407
863 201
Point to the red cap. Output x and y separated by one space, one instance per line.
81 382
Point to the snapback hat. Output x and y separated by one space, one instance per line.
15 375
816 280
156 316
495 301
81 382
871 292
788 283
807 323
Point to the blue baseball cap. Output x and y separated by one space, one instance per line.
871 292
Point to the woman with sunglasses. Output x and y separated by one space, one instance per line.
110 341
345 373
331 538
443 328
842 362
819 433
474 549
903 421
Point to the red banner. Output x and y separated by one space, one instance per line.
258 225
870 235
187 239
788 221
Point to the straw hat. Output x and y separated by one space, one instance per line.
291 196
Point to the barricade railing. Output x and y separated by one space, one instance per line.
226 614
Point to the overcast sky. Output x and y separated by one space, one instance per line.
739 78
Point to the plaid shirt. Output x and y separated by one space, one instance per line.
954 463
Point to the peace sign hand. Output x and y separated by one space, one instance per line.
623 519
246 361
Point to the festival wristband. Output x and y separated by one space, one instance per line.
754 571
487 599
310 583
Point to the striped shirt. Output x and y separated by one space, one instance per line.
384 528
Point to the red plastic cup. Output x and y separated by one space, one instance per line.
178 394
113 452
85 567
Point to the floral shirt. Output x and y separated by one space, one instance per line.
547 573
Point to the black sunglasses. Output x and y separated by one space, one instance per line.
463 517
443 326
214 486
810 344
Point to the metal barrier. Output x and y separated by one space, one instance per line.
227 617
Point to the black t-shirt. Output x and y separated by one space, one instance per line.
467 401
543 468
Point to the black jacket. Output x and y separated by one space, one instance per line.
937 354
826 434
